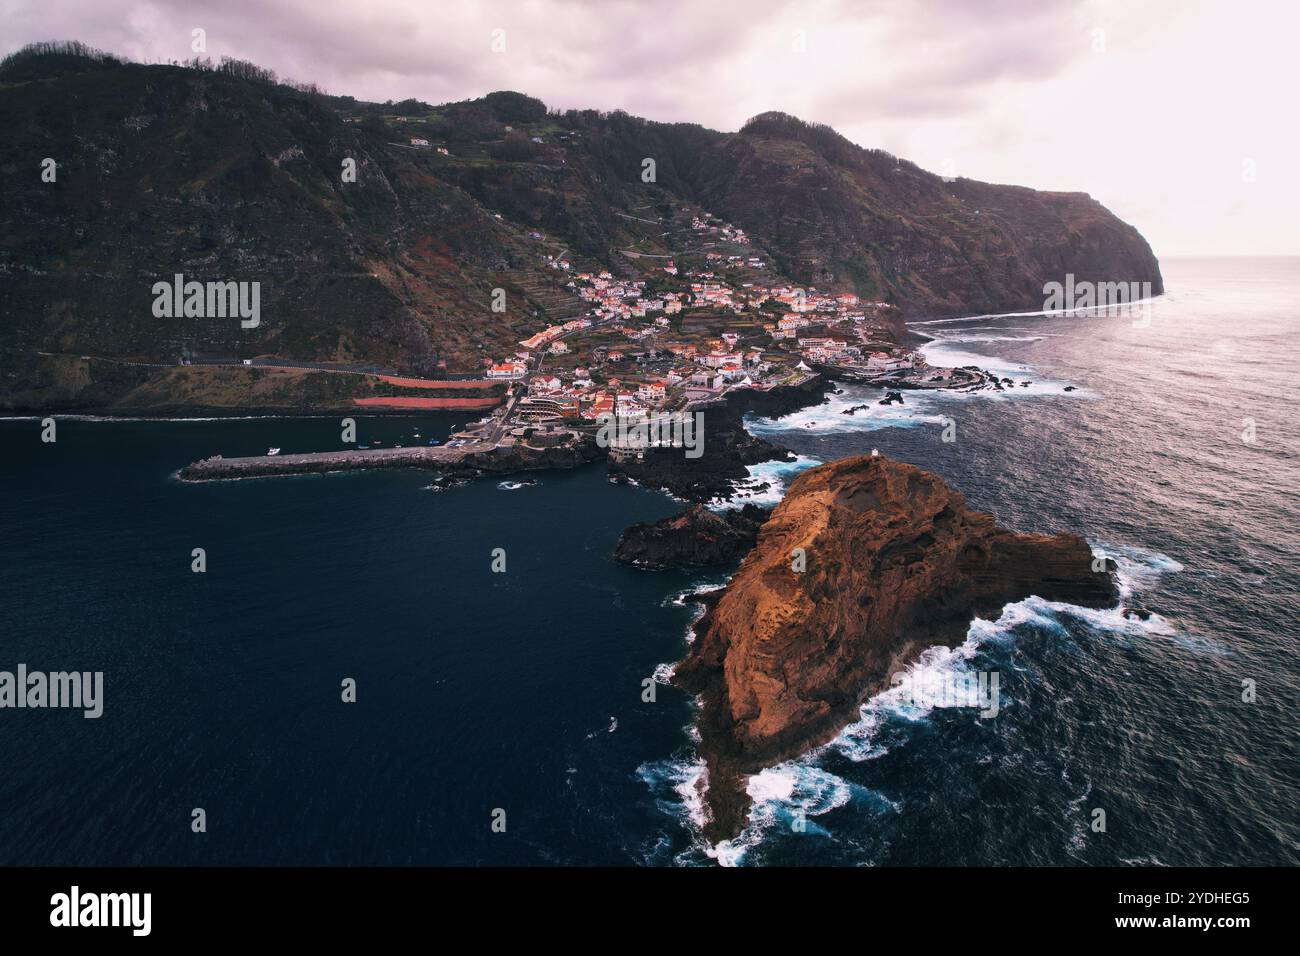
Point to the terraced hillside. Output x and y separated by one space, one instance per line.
224 174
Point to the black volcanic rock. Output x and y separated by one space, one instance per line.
695 538
728 449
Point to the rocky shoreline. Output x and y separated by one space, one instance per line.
695 538
728 447
894 562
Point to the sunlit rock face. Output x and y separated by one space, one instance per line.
894 562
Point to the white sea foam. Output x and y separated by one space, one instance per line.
780 791
829 417
1101 311
966 339
776 475
942 353
910 698
1138 568
685 780
1000 329
687 596
920 407
780 795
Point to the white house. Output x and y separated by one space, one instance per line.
507 370
651 392
881 362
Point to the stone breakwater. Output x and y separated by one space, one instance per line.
467 460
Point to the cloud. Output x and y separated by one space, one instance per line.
1008 90
716 62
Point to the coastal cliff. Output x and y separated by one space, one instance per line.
695 538
895 563
224 174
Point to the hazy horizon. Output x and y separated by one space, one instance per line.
1169 114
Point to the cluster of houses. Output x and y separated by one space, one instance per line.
735 261
814 329
579 399
676 375
843 339
552 334
550 339
704 378
712 226
833 350
613 298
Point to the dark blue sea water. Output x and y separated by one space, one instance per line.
523 691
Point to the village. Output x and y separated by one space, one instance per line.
679 339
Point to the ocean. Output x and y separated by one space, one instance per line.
519 697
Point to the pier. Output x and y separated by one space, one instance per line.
502 455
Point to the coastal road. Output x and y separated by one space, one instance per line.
500 424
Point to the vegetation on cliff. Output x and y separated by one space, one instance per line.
223 171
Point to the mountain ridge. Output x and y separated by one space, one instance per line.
221 171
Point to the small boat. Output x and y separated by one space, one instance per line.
273 451
363 447
433 441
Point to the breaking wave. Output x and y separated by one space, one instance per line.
792 796
766 483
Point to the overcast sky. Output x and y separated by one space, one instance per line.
1179 115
